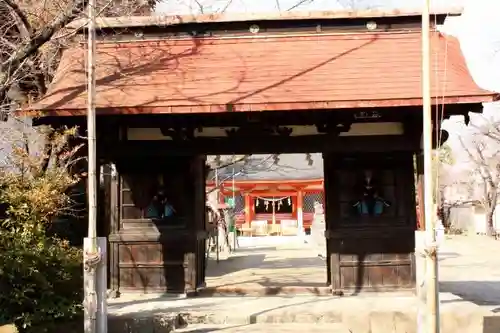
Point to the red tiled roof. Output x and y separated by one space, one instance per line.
262 73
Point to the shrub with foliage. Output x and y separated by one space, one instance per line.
40 281
40 276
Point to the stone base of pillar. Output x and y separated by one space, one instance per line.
420 240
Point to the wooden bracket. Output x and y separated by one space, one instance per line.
333 128
259 130
178 133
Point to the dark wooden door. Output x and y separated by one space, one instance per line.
161 253
370 247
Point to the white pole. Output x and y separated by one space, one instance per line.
217 226
92 255
235 233
91 126
429 211
101 318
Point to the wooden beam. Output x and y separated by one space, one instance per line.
256 145
245 185
105 123
288 192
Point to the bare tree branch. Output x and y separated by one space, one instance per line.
483 152
200 6
32 37
298 4
29 47
20 18
226 6
233 162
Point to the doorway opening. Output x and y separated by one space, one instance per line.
268 206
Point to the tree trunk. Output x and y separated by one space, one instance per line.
223 230
446 217
490 228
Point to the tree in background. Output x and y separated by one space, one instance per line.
443 162
32 37
483 151
35 178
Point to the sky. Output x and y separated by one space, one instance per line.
478 30
193 6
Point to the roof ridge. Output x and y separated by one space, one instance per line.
168 20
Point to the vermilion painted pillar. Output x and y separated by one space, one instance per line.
248 209
294 206
300 211
221 194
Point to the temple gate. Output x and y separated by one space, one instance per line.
169 94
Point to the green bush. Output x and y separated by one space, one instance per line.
41 277
40 282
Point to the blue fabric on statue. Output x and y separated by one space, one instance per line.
379 208
168 210
152 212
363 208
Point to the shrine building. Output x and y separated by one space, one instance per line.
272 194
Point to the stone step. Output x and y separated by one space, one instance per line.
383 313
146 323
265 328
375 322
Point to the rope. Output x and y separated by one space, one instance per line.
91 260
440 110
430 250
439 103
272 200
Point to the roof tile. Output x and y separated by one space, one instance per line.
263 73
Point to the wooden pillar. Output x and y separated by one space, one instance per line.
420 191
198 260
222 197
300 212
248 209
331 208
114 229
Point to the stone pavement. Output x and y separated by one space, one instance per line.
469 282
469 266
266 328
268 266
